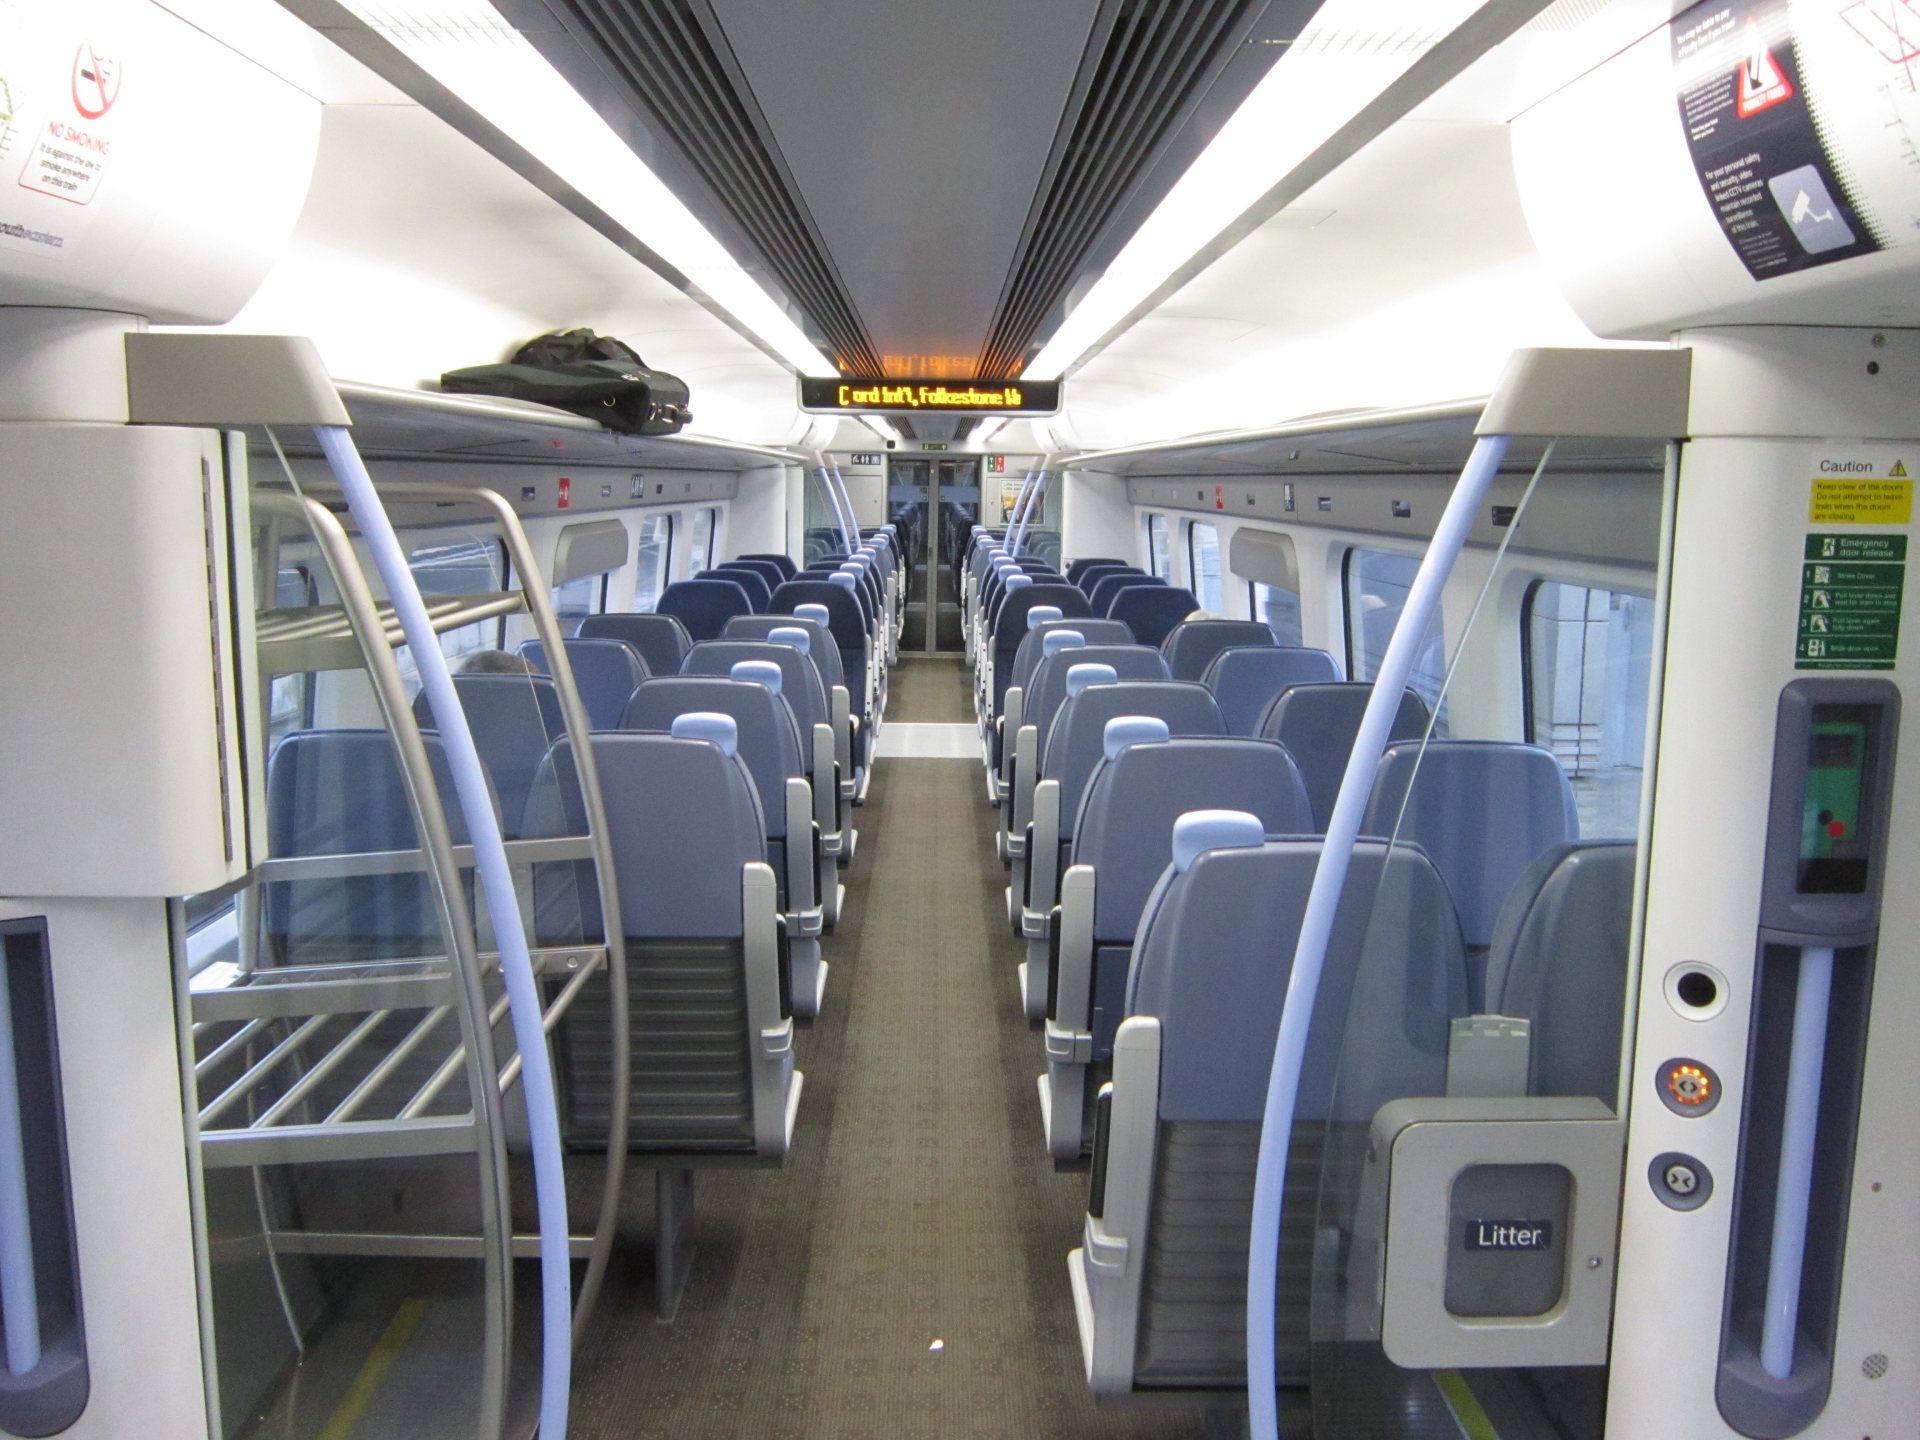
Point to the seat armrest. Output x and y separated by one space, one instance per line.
769 1017
1022 767
825 776
1072 989
1011 709
1115 1239
1043 847
802 873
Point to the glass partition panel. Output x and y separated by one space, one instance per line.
1481 956
1157 562
1278 609
1203 565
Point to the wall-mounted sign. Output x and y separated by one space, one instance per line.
996 464
838 394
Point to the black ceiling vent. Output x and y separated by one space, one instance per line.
674 63
1149 67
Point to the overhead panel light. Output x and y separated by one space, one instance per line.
467 46
1347 56
881 427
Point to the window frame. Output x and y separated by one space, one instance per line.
647 518
711 513
1159 558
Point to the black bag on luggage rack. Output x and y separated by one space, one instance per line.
588 374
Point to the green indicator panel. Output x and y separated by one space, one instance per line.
1851 589
1835 820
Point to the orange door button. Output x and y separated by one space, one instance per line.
1688 1087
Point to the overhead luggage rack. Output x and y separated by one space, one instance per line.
321 637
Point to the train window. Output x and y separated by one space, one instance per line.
1588 665
1377 582
656 553
706 528
578 598
468 565
1157 545
290 698
1203 565
1279 608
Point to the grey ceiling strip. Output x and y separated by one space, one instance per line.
1121 164
1149 69
1487 27
671 59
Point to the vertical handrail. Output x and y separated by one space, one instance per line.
1019 509
853 520
1786 1255
1316 924
436 843
1040 479
840 516
19 1283
496 883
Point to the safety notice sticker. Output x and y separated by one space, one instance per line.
1868 486
1850 596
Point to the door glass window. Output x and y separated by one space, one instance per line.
1589 660
1157 545
580 597
706 524
656 551
1203 565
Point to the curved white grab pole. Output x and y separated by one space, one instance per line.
1316 925
509 931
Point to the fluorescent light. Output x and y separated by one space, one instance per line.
466 46
881 427
1350 52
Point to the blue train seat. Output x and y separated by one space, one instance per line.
661 640
604 671
1246 678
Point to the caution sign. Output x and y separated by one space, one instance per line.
1861 488
1851 588
1763 84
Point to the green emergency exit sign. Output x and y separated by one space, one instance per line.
1851 588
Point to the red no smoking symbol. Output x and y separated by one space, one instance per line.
96 82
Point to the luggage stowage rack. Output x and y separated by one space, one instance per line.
382 1058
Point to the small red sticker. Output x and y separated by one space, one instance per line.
1219 497
566 493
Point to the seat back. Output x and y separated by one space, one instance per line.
1318 723
605 671
1559 960
1125 833
1152 612
845 622
1246 678
1107 586
514 719
1033 644
768 743
783 563
1077 568
1048 690
1100 570
1192 644
1214 951
1076 740
341 792
800 683
747 577
683 821
821 649
704 606
1011 626
1483 810
661 640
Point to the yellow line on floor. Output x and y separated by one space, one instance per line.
386 1350
1467 1412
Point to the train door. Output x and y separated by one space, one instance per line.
935 501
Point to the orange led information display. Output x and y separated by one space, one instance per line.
949 397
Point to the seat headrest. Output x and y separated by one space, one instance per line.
1054 641
1198 831
846 580
758 672
707 725
794 636
1125 730
1018 580
816 613
1079 677
1041 614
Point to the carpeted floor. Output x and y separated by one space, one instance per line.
918 1206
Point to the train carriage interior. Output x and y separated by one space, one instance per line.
851 718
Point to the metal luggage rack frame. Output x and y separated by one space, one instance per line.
299 1027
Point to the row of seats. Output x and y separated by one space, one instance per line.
727 781
1163 829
